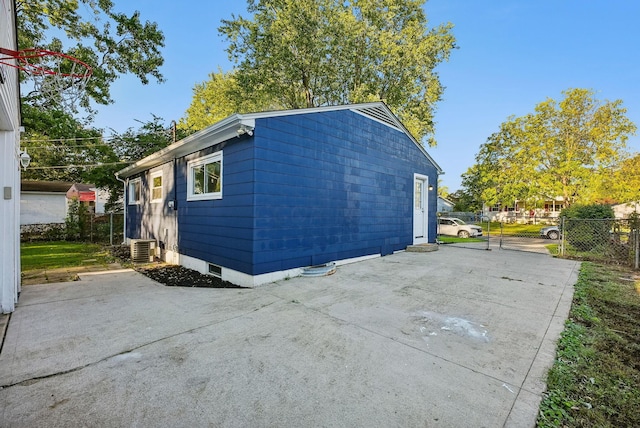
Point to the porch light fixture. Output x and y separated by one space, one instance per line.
25 159
430 187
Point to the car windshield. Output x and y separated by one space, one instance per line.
457 220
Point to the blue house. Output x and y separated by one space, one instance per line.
258 197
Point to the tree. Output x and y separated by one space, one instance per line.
112 43
469 197
624 184
563 149
217 98
61 147
443 191
307 53
128 147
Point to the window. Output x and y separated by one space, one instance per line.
215 270
418 194
134 191
156 186
204 179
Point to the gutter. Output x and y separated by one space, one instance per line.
233 126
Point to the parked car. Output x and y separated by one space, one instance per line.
455 227
550 232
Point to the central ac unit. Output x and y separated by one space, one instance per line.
143 250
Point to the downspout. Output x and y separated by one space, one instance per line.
176 235
124 208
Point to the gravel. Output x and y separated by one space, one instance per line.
173 275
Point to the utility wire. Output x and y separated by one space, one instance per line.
77 166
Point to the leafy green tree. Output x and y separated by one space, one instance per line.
111 42
469 197
61 147
128 147
217 98
624 184
77 222
443 191
563 149
307 53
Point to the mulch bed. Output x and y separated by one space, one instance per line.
172 275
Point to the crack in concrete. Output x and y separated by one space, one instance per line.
33 380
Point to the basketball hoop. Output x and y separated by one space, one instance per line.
56 76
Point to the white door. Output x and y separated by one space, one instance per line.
419 210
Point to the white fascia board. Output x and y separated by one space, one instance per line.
215 134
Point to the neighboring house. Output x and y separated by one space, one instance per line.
47 202
625 210
89 195
256 197
43 202
9 165
444 205
522 212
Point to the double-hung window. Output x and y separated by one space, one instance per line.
135 191
156 187
204 178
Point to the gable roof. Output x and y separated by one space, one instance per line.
239 124
82 187
45 186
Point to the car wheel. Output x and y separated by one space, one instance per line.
553 234
463 234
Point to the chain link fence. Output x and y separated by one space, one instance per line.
600 240
604 240
95 228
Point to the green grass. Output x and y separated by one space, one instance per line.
59 254
455 239
595 380
554 249
511 229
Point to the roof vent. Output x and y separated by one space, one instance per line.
379 114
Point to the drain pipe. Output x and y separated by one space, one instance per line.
124 208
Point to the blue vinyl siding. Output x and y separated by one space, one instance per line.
220 231
331 186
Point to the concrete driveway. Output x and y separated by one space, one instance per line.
452 338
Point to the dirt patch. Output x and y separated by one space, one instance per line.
47 276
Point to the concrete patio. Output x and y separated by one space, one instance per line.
451 338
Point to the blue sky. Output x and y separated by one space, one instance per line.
512 55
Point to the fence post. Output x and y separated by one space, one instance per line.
562 236
488 233
501 234
636 237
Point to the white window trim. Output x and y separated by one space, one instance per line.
154 175
130 194
214 157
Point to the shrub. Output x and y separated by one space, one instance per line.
587 226
78 221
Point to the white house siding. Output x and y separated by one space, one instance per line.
42 208
625 210
9 171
